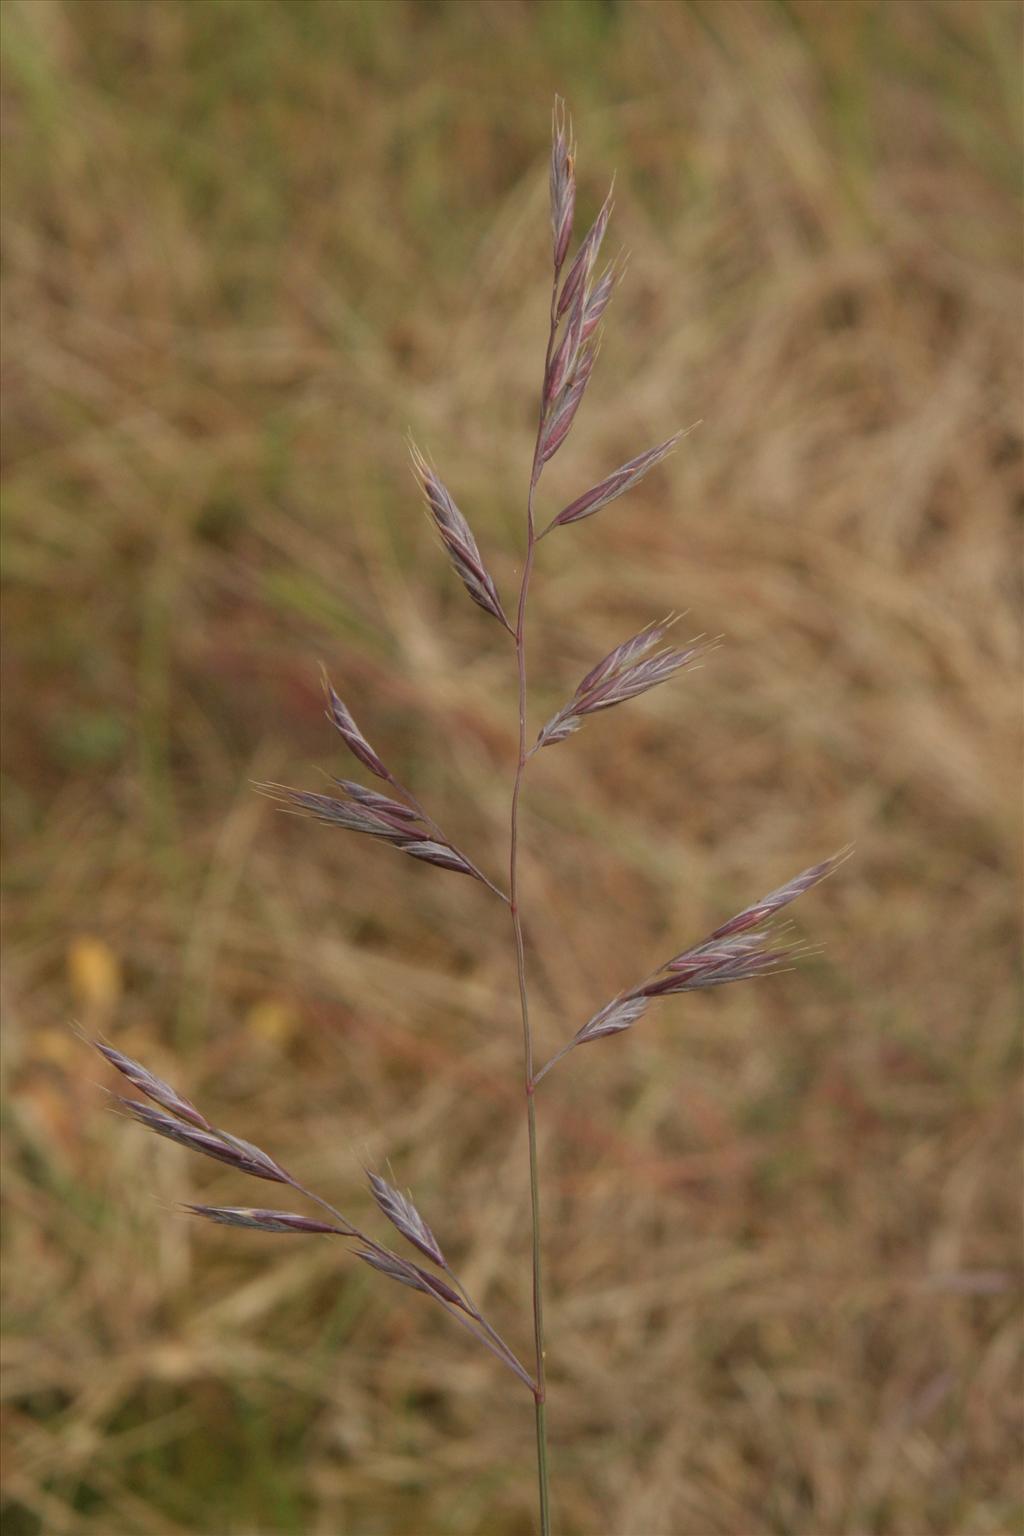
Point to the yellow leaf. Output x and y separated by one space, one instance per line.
94 972
272 1020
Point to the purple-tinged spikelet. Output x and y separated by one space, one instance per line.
407 1273
715 964
382 805
600 296
760 911
638 664
373 818
391 1265
563 181
264 1221
238 1154
581 304
624 478
583 265
457 538
401 1212
341 719
441 855
154 1087
559 418
375 815
441 1289
612 1019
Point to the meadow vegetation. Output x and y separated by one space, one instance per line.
247 247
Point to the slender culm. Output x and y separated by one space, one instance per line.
748 945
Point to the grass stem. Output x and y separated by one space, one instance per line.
540 1391
531 1112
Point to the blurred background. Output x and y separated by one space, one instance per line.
246 247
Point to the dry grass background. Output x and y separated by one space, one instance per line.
245 247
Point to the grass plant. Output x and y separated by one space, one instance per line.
246 248
746 946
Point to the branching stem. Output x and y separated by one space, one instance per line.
474 1323
429 821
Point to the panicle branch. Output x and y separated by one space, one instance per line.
750 944
404 824
186 1126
